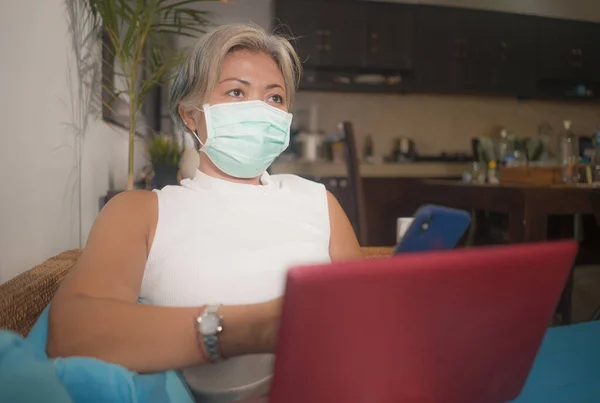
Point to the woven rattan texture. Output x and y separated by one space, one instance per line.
23 298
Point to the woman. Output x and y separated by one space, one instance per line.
206 259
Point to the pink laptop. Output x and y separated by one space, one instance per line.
460 326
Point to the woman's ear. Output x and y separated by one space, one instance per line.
188 117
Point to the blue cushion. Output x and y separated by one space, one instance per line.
567 367
24 376
76 379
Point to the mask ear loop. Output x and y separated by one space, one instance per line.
195 134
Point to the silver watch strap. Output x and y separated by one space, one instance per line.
213 351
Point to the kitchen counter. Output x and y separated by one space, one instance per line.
390 170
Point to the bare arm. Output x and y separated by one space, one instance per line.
95 312
343 244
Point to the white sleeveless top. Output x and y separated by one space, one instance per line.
222 242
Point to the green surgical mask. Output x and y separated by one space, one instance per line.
244 138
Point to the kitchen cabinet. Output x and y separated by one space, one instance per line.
510 54
302 19
440 50
470 51
343 33
390 34
349 35
568 50
435 49
327 34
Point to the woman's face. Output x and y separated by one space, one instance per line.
245 76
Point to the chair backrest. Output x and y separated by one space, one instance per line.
359 210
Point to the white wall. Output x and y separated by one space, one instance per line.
39 203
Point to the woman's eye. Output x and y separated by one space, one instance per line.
235 93
276 98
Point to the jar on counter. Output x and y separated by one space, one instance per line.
310 146
492 173
569 154
337 152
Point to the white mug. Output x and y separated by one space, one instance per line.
402 224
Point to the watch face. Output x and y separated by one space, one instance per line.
210 324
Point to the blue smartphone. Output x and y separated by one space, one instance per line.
434 228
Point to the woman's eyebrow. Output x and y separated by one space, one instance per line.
235 79
268 87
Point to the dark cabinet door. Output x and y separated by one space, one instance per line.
568 50
390 35
475 37
301 21
471 51
343 28
590 52
513 68
327 34
500 55
440 50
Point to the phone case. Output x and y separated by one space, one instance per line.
434 228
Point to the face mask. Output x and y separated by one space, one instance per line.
244 138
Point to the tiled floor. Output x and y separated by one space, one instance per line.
586 292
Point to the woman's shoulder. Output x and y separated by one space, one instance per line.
132 199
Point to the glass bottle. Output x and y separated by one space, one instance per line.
568 154
505 149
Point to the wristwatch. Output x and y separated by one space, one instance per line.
209 327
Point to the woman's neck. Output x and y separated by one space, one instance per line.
208 168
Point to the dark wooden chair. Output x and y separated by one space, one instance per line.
358 215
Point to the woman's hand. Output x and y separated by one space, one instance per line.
250 329
270 330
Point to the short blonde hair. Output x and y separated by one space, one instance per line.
200 70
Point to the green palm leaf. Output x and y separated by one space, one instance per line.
137 32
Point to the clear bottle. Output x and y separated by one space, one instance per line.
505 149
492 174
568 154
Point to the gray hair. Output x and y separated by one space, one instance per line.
201 67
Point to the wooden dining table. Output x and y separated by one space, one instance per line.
528 208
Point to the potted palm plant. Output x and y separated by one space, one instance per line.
164 153
136 35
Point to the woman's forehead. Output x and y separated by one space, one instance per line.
252 67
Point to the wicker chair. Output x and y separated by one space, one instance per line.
23 298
